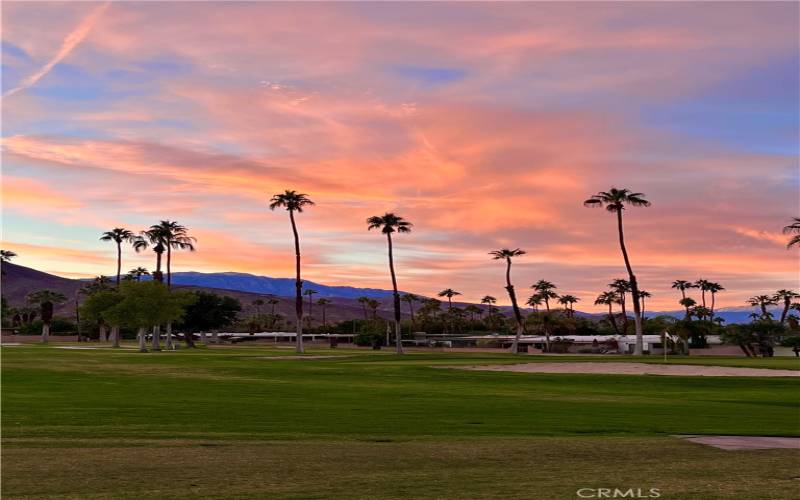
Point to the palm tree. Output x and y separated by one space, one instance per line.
174 236
273 301
714 289
622 288
310 293
258 303
118 235
644 294
390 223
609 299
449 293
683 285
534 301
293 202
364 301
373 306
703 285
45 300
507 254
472 309
139 272
545 290
689 304
488 300
323 303
568 302
794 227
614 201
410 298
762 301
785 296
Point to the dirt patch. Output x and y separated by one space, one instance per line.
635 369
746 442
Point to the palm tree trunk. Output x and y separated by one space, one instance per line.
517 315
411 310
115 336
787 303
102 333
45 332
156 338
168 341
119 261
169 265
546 327
713 301
157 275
637 316
396 297
142 341
612 320
298 303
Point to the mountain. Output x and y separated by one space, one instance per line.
18 281
282 287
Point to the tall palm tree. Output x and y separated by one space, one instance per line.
786 297
449 293
714 288
273 301
410 298
310 293
703 285
622 287
155 237
138 272
534 301
546 290
609 298
373 306
568 301
644 294
118 235
614 201
688 303
507 254
323 303
762 301
683 285
794 227
390 223
258 303
364 301
175 236
488 300
45 300
293 202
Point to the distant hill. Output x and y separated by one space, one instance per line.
18 281
282 287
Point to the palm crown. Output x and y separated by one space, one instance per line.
606 298
488 299
118 235
389 223
794 227
506 253
682 285
449 293
291 200
615 199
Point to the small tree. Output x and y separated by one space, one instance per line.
45 300
208 311
146 304
97 306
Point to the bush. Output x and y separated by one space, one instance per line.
58 326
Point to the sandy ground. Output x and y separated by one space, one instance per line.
746 442
636 369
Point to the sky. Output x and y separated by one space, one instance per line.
485 125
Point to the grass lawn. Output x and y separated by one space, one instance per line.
240 422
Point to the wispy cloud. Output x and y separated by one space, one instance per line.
67 46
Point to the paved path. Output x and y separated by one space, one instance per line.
612 368
746 442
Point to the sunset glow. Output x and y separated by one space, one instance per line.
486 125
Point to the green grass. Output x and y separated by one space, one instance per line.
236 422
